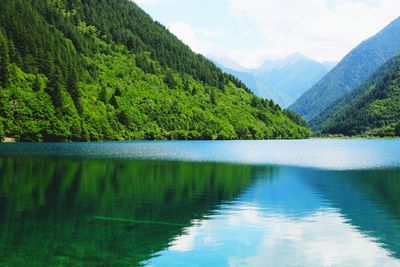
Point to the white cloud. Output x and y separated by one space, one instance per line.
325 30
203 41
322 29
189 36
215 33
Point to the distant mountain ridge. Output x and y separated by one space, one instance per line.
292 75
256 85
282 80
228 64
357 66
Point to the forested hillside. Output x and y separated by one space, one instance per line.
373 109
104 70
357 66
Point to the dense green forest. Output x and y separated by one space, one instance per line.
79 70
353 70
372 109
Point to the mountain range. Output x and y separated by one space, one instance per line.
372 109
282 80
293 75
353 70
255 84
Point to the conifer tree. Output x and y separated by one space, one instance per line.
221 83
36 84
114 101
213 98
54 86
4 60
170 80
73 89
186 85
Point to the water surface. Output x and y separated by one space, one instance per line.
234 203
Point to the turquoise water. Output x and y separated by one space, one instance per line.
226 203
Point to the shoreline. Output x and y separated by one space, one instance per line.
9 140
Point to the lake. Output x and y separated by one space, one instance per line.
319 202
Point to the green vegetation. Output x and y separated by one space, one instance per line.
371 110
353 70
79 70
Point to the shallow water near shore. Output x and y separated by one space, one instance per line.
201 203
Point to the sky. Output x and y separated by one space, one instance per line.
250 31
